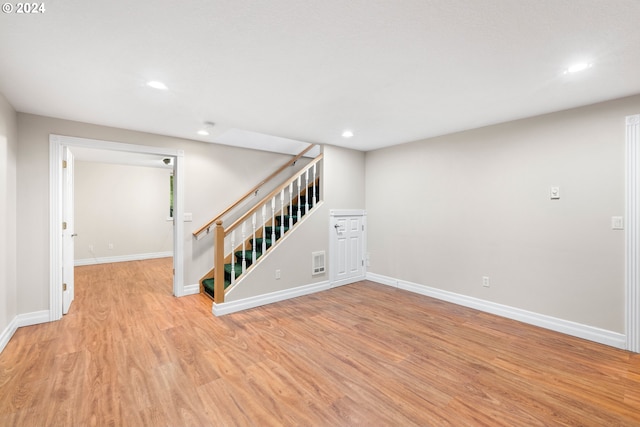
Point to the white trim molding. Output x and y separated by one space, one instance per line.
122 258
8 332
632 233
192 289
56 145
590 333
257 301
27 319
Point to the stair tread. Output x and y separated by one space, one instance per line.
248 254
209 286
237 266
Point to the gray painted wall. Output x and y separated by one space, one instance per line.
446 211
8 162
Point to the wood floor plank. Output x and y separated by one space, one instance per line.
129 353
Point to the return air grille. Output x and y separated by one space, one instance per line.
318 263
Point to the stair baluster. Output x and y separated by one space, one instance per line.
281 227
264 228
290 213
233 259
299 213
273 220
253 245
315 184
306 193
244 238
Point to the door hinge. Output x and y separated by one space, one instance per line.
64 286
64 225
174 271
362 227
64 164
363 263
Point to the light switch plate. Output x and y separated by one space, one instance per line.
555 193
617 223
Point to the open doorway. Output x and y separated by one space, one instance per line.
118 154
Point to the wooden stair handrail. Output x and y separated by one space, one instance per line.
270 196
253 190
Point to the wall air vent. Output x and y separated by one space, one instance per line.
318 265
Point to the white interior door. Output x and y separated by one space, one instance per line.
347 247
68 230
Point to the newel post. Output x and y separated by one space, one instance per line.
218 263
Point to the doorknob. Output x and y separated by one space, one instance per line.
74 234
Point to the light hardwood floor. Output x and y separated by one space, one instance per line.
130 354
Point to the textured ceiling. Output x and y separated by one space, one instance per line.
392 71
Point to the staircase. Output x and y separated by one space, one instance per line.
259 226
259 244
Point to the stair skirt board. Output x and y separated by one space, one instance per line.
259 300
591 333
122 258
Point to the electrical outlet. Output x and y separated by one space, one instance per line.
485 281
90 248
277 274
110 245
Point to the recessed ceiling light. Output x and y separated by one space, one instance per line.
347 134
578 67
203 132
157 85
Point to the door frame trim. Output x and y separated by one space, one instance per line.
56 144
632 233
335 213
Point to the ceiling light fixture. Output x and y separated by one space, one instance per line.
575 68
204 131
157 85
347 134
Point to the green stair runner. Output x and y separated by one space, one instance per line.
248 256
292 212
279 230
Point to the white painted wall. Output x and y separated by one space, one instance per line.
446 211
123 206
8 161
215 176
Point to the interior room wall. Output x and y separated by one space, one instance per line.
215 175
8 160
446 212
121 212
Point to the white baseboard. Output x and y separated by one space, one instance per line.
252 302
348 281
19 321
122 258
191 289
8 332
33 318
602 336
